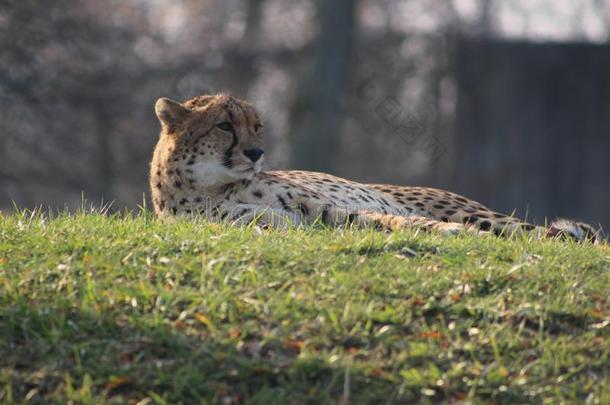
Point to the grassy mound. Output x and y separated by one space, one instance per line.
126 309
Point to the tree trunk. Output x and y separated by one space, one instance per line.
315 113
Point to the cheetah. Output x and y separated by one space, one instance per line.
208 162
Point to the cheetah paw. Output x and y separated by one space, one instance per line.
450 228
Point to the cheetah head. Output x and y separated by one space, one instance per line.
213 140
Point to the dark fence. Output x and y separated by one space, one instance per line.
533 128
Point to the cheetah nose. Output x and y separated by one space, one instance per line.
254 154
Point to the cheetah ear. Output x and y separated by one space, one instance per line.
170 112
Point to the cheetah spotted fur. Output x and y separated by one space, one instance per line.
208 162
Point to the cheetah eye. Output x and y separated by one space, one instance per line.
225 126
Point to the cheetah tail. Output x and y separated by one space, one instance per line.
575 230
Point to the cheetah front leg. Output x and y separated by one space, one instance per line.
245 214
337 216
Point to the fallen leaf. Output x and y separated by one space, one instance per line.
295 345
436 335
433 269
377 372
597 313
206 321
503 371
125 358
455 297
116 381
598 341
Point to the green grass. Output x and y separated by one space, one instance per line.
124 308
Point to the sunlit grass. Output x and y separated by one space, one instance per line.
123 308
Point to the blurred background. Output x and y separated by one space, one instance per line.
507 102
